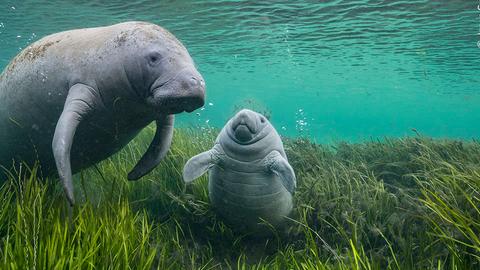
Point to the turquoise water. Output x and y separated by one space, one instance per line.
338 70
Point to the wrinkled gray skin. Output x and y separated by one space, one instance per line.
74 98
249 176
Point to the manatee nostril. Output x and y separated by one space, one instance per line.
193 81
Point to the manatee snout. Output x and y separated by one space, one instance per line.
194 91
184 92
244 125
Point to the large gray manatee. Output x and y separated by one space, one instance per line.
250 178
100 85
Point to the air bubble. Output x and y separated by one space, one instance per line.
301 123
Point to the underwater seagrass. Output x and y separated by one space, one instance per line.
250 179
100 85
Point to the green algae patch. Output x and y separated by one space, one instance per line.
409 203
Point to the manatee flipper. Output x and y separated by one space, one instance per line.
81 100
158 148
199 164
277 164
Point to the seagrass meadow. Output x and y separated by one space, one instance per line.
410 203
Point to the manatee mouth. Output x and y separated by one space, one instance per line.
243 133
173 97
174 105
248 127
244 127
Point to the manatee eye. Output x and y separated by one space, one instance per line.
154 58
262 119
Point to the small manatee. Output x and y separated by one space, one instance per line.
250 180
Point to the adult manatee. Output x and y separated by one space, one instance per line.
86 93
250 178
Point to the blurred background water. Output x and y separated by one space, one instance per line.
330 70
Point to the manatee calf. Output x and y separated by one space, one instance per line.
74 98
250 178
